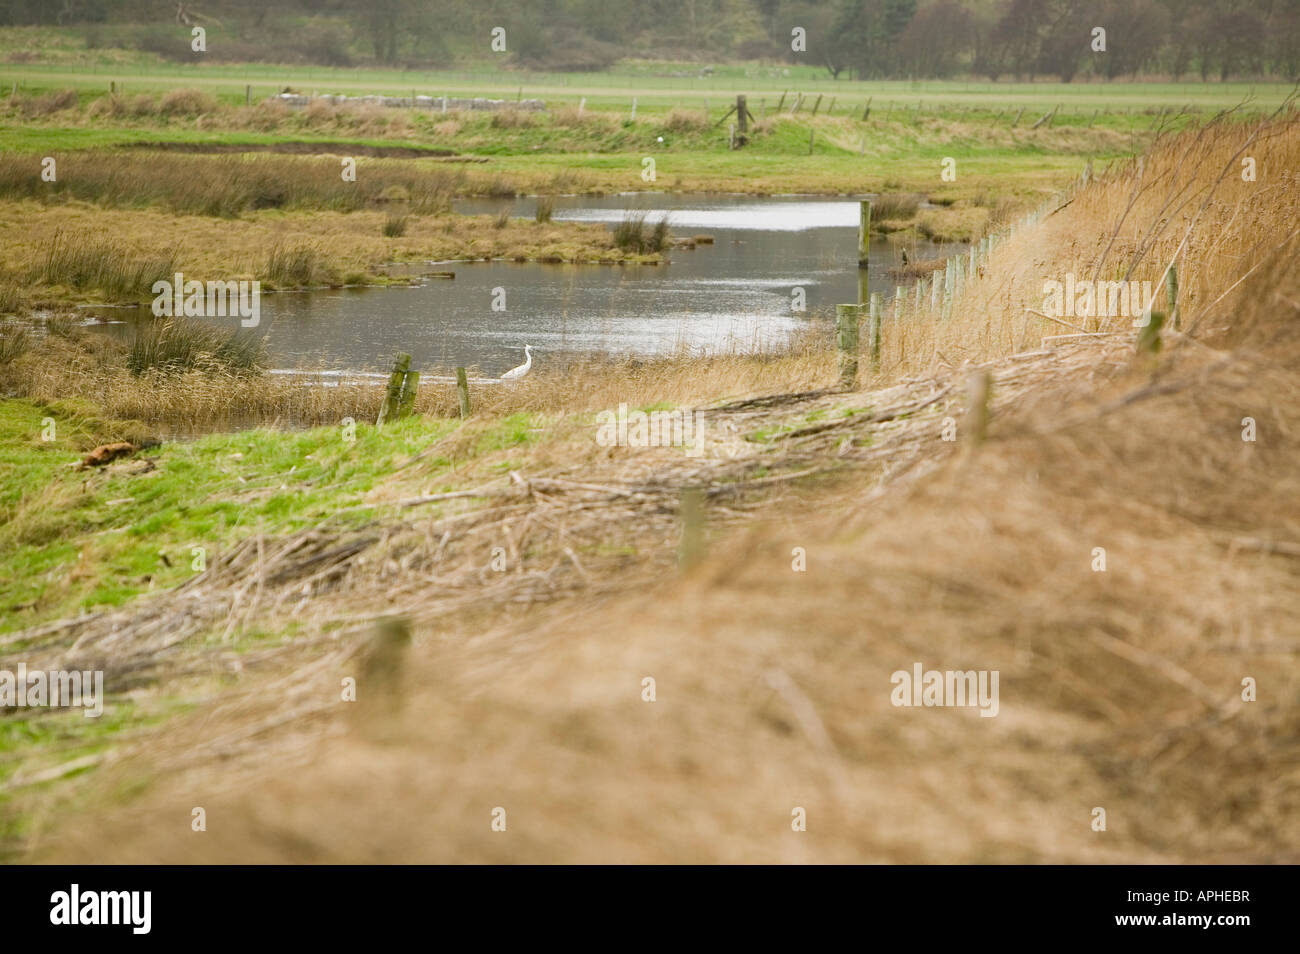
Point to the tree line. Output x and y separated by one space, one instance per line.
898 39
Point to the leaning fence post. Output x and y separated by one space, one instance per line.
393 395
462 392
409 388
846 321
1171 286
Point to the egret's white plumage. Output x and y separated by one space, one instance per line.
514 374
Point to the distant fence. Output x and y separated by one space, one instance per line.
437 103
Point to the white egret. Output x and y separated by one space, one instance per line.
514 374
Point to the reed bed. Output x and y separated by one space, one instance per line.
1184 202
632 234
225 186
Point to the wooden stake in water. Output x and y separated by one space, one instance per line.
864 248
462 392
846 324
864 232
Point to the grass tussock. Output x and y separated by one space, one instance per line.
685 121
15 341
632 234
513 119
12 300
395 225
177 345
895 206
186 102
83 262
297 266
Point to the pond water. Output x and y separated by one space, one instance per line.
735 294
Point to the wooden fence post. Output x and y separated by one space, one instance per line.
393 396
462 392
875 332
406 406
846 321
979 388
690 550
1149 335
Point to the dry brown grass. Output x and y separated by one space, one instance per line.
1119 689
1186 200
93 367
349 247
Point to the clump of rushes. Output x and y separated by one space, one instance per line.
545 208
502 219
14 341
11 299
632 234
174 345
395 225
84 263
296 267
895 205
